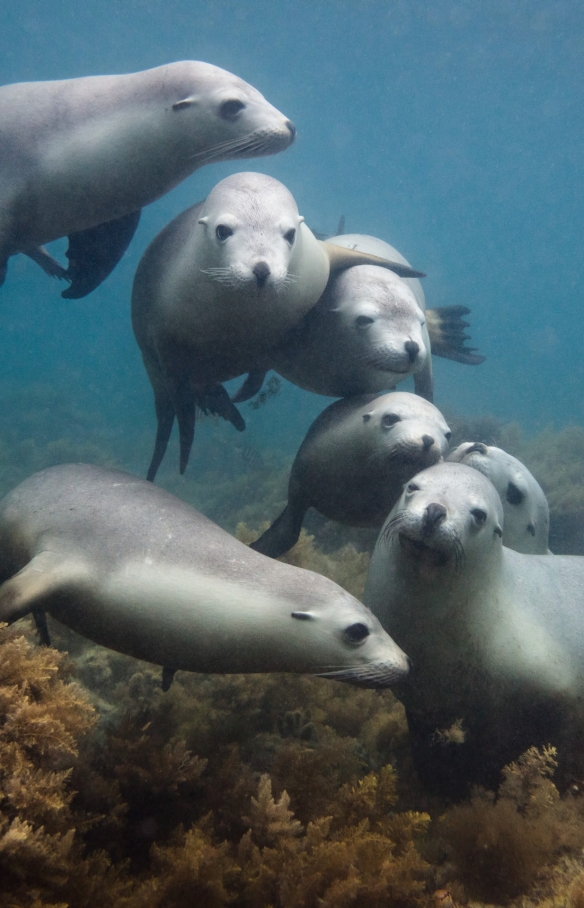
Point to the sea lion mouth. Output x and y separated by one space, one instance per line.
418 549
374 675
428 550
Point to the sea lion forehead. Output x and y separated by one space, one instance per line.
458 482
245 192
409 406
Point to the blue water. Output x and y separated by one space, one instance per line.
453 130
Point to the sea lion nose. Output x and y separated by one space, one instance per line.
433 516
291 128
427 442
412 349
477 448
262 273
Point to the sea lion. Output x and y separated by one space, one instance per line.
368 332
354 461
527 514
218 288
81 157
496 637
135 569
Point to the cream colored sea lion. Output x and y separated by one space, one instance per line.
369 331
219 287
354 461
527 514
496 637
133 568
81 157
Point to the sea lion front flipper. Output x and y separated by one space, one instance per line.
95 252
167 677
40 619
49 265
340 258
447 337
251 386
29 589
165 420
283 533
424 381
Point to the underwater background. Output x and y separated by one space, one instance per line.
453 130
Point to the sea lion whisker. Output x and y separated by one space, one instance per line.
392 526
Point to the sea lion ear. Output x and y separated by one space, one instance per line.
302 616
498 531
186 102
204 220
300 219
367 417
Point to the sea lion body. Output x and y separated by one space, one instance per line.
366 333
219 287
135 569
527 514
354 461
496 637
83 153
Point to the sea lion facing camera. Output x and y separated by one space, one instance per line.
354 461
527 514
133 568
369 331
218 288
496 637
81 157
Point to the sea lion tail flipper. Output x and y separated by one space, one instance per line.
424 381
27 591
282 535
251 386
95 252
49 265
340 258
165 419
447 336
216 400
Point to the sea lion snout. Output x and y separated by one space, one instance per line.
261 271
412 349
434 515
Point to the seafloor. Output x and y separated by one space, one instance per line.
263 790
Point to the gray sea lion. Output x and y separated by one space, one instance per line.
354 461
135 569
496 637
81 157
527 514
219 287
368 332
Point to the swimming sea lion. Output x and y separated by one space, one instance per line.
368 332
496 637
354 461
81 157
527 514
218 288
135 569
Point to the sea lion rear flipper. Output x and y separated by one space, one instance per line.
424 381
165 420
40 619
251 386
49 265
340 258
95 252
447 337
216 400
167 676
28 590
282 535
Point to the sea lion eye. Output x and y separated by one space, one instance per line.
448 436
290 236
222 232
412 487
514 495
230 109
531 529
363 321
356 633
389 419
479 515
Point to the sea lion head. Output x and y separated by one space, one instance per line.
384 325
209 102
408 432
525 506
449 516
